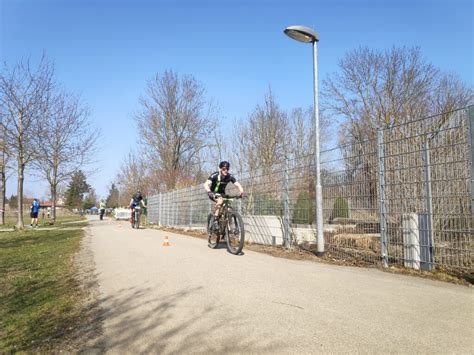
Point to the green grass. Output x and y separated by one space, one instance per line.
40 296
65 216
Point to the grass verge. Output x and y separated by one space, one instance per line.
62 217
40 295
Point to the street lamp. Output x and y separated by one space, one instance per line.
308 35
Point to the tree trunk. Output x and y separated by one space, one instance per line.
2 184
53 202
21 178
2 195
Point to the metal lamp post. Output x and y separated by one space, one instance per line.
308 35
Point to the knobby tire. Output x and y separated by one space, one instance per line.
137 220
235 233
212 237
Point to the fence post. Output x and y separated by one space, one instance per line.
169 215
286 208
411 240
428 202
168 212
382 198
470 140
163 209
160 195
174 203
190 195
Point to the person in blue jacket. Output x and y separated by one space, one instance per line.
35 206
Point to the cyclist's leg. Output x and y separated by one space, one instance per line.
219 202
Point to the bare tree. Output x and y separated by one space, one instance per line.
237 151
449 94
380 89
5 173
302 133
2 179
263 138
24 101
375 90
132 177
175 125
65 142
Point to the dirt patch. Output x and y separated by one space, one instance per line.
306 251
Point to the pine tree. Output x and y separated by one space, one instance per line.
13 202
112 199
76 189
90 200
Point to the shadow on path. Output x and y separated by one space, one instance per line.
140 321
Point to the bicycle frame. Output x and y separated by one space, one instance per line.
136 212
230 227
225 209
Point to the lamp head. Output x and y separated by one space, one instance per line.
302 34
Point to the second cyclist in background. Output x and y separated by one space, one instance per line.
136 200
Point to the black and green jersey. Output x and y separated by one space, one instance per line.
219 182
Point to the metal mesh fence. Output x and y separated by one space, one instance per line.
404 196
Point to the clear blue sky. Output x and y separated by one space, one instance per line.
106 51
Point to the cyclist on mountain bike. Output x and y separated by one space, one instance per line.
216 184
136 200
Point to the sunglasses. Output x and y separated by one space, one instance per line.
225 169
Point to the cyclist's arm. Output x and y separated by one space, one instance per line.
143 203
241 189
207 185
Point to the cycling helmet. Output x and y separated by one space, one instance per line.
224 164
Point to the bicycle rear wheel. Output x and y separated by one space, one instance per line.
212 236
235 233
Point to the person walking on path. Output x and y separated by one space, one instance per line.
102 207
35 206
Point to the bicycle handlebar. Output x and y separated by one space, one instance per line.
229 197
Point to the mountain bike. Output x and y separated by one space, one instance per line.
136 217
230 226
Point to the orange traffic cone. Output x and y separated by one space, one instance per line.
166 242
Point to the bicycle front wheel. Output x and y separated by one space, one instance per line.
137 220
235 233
212 236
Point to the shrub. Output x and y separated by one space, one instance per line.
340 209
303 210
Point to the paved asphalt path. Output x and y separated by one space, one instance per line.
187 298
